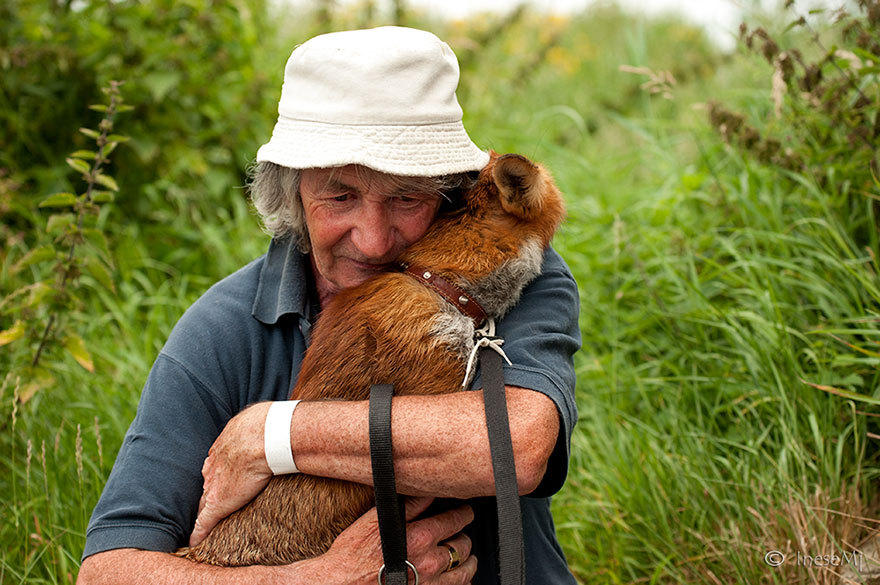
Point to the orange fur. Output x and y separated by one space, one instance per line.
380 332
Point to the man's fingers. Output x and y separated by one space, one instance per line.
206 469
460 576
416 505
207 518
463 574
413 506
460 542
439 557
200 530
201 505
429 531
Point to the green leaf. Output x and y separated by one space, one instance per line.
107 181
124 108
118 138
98 107
85 154
842 392
59 200
100 273
103 196
97 238
109 147
32 257
17 331
58 222
89 132
78 165
75 345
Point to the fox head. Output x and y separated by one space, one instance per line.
513 205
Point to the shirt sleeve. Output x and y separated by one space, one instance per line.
541 335
151 498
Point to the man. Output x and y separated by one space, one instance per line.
368 148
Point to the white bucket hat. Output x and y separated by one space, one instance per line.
383 98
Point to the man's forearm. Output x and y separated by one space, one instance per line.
122 566
441 447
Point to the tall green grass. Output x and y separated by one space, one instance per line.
728 380
698 423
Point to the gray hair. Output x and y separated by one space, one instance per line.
274 191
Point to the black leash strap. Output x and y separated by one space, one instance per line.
510 535
392 519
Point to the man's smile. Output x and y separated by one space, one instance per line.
370 266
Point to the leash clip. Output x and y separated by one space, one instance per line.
484 337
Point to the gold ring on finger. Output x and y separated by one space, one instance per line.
454 557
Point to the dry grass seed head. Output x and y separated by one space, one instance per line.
78 452
777 93
15 393
27 465
98 442
43 463
58 438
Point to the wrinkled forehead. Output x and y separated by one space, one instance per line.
364 180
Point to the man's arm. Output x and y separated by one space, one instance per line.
441 446
128 565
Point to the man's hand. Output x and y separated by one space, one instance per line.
235 470
355 556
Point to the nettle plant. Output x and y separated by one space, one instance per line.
825 119
48 301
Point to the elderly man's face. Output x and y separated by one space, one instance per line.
359 222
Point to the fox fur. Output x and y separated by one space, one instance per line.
392 329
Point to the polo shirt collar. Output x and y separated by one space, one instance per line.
282 287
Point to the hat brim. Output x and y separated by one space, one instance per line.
426 150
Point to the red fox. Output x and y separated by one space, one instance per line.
393 329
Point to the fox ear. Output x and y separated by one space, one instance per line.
521 185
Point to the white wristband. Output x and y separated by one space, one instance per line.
276 437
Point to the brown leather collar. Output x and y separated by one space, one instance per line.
459 299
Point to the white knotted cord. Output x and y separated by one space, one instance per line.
485 337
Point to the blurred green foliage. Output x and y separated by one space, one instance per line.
202 76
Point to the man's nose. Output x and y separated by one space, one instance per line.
372 234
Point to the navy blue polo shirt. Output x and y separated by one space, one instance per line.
243 342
